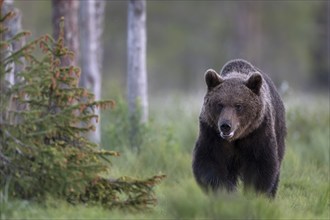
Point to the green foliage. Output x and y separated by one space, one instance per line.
44 117
117 126
308 122
303 190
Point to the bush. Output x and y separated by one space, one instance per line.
44 117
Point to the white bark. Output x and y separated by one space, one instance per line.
136 69
91 28
15 26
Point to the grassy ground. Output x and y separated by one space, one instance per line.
167 144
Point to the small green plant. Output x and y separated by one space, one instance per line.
43 119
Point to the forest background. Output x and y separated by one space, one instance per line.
289 40
286 39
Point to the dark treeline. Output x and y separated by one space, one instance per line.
287 39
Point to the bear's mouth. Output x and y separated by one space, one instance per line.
227 136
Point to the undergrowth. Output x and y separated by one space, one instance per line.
167 143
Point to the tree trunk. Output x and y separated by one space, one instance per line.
91 29
69 10
320 51
136 70
247 32
14 25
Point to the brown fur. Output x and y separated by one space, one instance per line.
242 130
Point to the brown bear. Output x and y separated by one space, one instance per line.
241 131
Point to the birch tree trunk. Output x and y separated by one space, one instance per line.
69 10
91 14
14 25
136 69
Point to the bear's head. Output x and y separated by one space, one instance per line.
232 105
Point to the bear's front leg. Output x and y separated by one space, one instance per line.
210 173
262 174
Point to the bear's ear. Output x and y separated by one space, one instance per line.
212 79
254 82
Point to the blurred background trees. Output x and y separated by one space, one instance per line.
83 29
320 49
287 39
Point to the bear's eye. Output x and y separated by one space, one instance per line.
219 107
238 107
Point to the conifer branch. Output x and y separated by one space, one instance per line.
7 134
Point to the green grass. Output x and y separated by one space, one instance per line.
167 143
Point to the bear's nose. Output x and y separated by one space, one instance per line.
225 127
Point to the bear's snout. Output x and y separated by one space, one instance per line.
225 127
226 130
